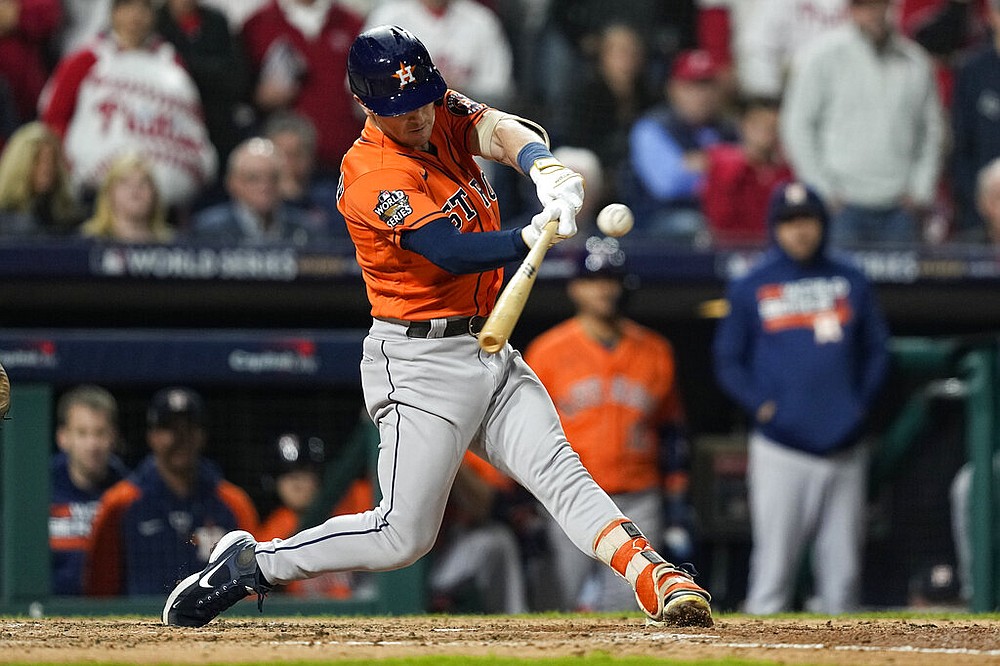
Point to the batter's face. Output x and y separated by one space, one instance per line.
411 129
799 237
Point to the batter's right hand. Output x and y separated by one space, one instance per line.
557 210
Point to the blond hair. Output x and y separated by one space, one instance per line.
101 225
17 165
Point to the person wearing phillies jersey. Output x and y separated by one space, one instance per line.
86 466
426 227
614 385
803 350
125 92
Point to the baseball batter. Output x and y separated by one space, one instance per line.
426 226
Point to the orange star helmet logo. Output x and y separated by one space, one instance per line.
405 75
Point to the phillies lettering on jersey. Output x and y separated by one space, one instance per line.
821 304
387 188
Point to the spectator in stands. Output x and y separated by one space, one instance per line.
740 177
667 151
614 384
975 116
216 62
35 197
298 57
127 92
803 350
255 212
772 36
465 40
863 125
26 27
129 208
169 512
572 33
476 563
301 185
86 466
609 99
988 201
294 475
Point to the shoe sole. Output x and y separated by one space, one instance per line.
689 610
224 543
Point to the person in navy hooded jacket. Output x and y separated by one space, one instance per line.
803 350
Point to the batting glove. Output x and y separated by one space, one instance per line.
557 210
554 181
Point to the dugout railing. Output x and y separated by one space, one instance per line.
40 362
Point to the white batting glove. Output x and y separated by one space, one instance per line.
557 210
554 181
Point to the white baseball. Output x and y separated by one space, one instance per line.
615 220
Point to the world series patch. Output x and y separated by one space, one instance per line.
393 207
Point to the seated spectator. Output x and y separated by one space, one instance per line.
160 524
988 200
298 57
26 26
35 197
215 60
128 207
86 466
465 40
667 151
608 101
301 185
127 92
975 126
294 476
740 177
255 212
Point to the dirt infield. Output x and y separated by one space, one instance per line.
144 641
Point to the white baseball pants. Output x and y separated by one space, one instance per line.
431 399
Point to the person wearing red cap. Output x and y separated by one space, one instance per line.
667 150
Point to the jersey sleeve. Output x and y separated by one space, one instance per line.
104 568
240 504
391 201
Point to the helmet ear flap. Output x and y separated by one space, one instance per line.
391 72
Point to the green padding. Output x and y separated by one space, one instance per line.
26 439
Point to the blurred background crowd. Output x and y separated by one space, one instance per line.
224 121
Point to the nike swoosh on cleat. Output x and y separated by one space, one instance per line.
203 581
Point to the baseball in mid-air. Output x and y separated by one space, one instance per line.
615 220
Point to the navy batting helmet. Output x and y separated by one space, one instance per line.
391 72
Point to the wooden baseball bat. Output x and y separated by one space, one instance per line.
511 301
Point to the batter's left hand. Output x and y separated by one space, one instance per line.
554 181
557 210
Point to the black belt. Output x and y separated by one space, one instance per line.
460 326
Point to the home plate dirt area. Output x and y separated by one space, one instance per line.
232 641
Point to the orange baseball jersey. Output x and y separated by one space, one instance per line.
386 188
611 402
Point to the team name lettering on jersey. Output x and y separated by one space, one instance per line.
819 304
393 207
593 392
71 520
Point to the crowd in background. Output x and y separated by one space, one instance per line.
223 121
